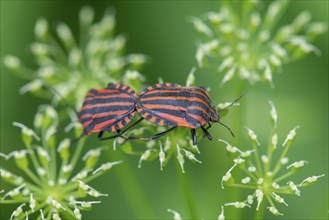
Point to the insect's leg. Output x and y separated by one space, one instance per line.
132 125
100 134
150 137
193 134
209 125
206 133
120 133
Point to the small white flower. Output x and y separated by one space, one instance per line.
238 205
177 216
238 161
245 180
17 211
221 215
264 158
144 157
201 27
180 158
228 76
274 211
77 213
191 156
252 169
284 160
190 81
106 166
290 136
294 188
275 186
227 175
32 202
259 196
12 62
246 153
297 164
279 199
311 179
260 181
162 156
274 140
252 136
250 199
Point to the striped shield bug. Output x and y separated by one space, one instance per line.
177 106
108 110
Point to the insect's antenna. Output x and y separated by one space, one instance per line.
227 128
230 105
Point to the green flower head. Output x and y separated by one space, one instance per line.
251 45
49 184
70 66
263 173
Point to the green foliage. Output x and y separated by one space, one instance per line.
49 177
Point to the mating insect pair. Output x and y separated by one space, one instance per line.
112 108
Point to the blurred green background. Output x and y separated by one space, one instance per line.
161 30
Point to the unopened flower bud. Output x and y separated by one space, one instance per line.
221 215
238 205
180 159
144 157
13 63
63 149
294 188
279 199
274 210
253 136
106 166
290 137
177 216
311 179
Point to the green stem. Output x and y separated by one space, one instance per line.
278 165
283 177
245 186
77 152
33 157
53 162
4 201
94 176
186 188
270 150
257 159
127 178
255 176
259 214
32 176
239 123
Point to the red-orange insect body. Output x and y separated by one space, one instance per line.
174 105
108 109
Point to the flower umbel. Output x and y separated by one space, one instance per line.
262 173
42 189
69 66
251 45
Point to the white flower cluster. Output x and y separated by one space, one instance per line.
251 45
42 189
264 175
70 67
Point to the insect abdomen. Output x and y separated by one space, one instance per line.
107 109
174 105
